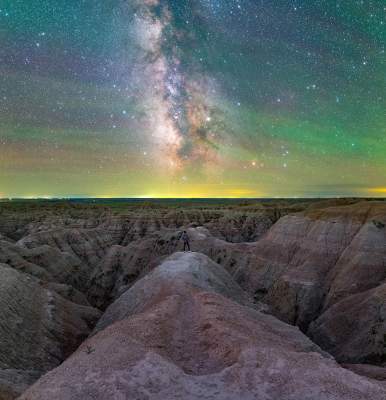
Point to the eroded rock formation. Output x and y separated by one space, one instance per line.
320 266
187 331
38 328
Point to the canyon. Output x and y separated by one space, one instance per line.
277 299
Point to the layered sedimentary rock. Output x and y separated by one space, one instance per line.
317 266
177 275
305 263
38 328
123 265
188 331
44 262
87 245
354 329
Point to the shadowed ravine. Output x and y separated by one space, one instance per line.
277 300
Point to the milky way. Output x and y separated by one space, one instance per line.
176 103
198 98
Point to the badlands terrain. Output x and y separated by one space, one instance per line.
278 300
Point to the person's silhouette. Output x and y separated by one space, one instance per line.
185 238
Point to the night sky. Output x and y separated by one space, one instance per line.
192 98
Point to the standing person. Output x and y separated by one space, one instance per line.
185 238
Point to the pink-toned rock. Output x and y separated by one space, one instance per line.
354 329
304 264
311 260
123 265
177 275
187 331
362 265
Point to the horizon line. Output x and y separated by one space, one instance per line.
190 198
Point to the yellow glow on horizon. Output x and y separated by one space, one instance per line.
192 192
162 190
378 190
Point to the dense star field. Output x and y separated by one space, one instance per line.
192 98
